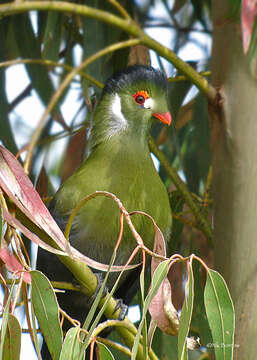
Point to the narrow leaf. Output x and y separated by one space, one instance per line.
104 352
52 36
20 189
13 264
186 315
12 341
71 345
248 16
11 220
5 320
29 47
6 133
158 276
220 314
47 312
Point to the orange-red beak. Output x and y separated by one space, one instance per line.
164 117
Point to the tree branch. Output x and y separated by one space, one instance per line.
202 221
127 25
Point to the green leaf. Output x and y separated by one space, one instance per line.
220 314
52 36
164 346
186 315
6 135
234 10
12 341
197 155
104 352
47 312
4 324
71 345
94 29
199 12
199 319
158 276
177 92
176 203
29 47
34 331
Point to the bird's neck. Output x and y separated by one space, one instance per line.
123 147
112 125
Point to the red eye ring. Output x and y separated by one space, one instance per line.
141 96
140 99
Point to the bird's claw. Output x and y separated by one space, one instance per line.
122 307
119 303
99 277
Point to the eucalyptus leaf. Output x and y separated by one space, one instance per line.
199 319
104 352
6 135
71 346
197 154
29 47
47 312
186 315
220 314
176 202
52 36
158 276
12 341
177 92
4 323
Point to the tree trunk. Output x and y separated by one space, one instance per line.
234 157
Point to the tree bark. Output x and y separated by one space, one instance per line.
234 158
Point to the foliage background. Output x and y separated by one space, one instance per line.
56 142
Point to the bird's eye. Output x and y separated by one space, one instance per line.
140 99
141 96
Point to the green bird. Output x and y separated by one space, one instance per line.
119 162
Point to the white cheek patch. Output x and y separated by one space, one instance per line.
118 121
149 103
116 110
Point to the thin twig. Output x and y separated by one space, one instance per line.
202 221
55 98
120 8
49 63
127 25
180 78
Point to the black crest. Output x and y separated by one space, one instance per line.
134 74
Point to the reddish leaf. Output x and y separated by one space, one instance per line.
248 14
162 310
176 279
13 264
19 226
20 189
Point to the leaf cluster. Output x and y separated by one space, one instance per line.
69 49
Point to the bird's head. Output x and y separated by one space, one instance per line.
131 100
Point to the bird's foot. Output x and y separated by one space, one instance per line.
100 280
119 302
122 307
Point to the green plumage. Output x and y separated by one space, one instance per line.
119 162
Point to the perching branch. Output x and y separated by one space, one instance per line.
126 24
201 219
